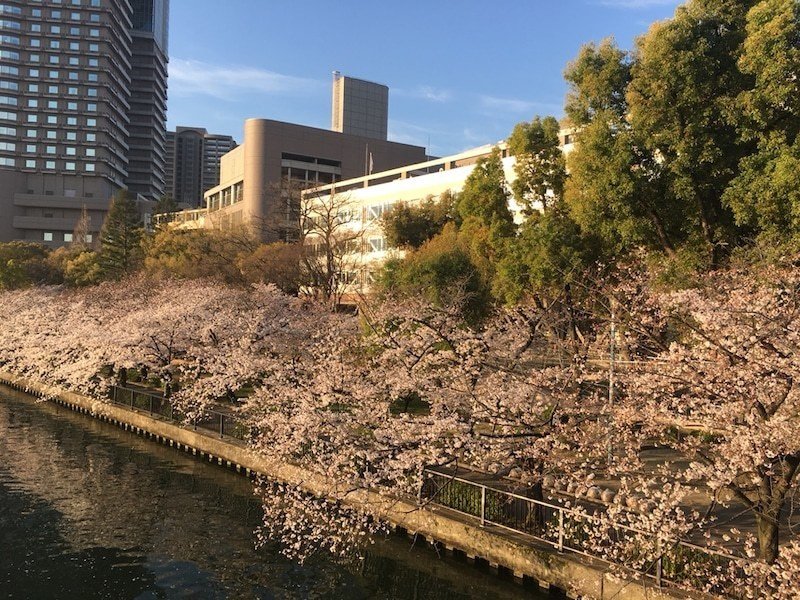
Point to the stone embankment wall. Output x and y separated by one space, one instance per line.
525 558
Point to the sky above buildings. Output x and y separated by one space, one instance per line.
461 73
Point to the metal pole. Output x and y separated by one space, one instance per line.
483 505
151 404
611 383
221 425
560 529
659 563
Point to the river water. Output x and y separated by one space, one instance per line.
91 511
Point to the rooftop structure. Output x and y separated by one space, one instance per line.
359 107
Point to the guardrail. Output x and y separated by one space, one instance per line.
570 530
216 421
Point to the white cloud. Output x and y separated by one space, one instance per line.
192 77
515 105
636 4
425 92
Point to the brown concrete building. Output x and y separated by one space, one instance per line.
77 120
257 179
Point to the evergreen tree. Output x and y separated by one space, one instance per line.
765 195
684 86
484 197
539 166
121 237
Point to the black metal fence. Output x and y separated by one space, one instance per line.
215 421
571 530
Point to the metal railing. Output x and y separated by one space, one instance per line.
571 530
215 421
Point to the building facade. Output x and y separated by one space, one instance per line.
359 107
66 107
261 179
192 163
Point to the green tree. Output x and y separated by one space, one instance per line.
765 195
684 86
410 226
441 271
121 237
598 80
484 197
23 264
539 165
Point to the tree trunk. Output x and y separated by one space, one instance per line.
767 531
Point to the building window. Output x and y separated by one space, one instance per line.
72 106
52 135
52 120
33 118
48 236
88 237
67 237
8 146
92 77
70 166
34 57
73 75
91 107
89 169
32 133
72 120
92 92
8 100
52 89
74 46
74 61
94 47
91 137
9 39
90 152
9 54
7 162
53 74
7 9
91 122
30 148
33 72
33 103
8 116
55 44
70 151
54 59
33 87
52 104
76 16
9 70
50 164
9 85
36 28
4 24
50 150
35 43
30 164
8 130
72 136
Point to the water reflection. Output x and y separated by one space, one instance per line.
90 511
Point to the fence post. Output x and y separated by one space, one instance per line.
560 529
659 562
151 404
221 425
483 505
132 393
114 394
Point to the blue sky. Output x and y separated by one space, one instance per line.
461 73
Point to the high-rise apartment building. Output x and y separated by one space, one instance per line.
148 112
192 163
73 81
359 107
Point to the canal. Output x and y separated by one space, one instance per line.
88 510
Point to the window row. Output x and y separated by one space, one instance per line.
51 165
50 134
53 120
68 150
54 44
55 59
54 29
49 105
71 75
48 236
57 14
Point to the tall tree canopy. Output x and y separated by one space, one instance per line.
121 237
